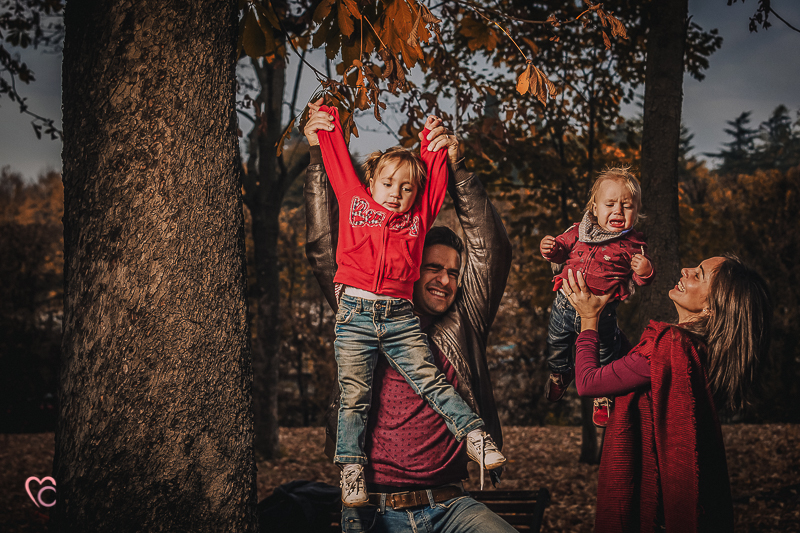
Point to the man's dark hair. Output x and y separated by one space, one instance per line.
446 236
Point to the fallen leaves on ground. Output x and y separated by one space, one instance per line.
763 460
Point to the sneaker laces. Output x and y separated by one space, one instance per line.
351 478
602 402
478 443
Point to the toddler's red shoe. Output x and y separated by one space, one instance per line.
557 385
601 412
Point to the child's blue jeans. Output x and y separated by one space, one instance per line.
565 324
365 328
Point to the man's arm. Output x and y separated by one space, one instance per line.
322 211
488 260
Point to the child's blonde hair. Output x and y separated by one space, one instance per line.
625 175
377 160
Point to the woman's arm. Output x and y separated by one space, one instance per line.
622 376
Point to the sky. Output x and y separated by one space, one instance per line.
751 72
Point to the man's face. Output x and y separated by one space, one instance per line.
436 287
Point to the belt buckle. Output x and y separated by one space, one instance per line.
400 500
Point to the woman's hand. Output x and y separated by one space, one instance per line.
317 120
586 304
440 137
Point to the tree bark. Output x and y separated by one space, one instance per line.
663 98
156 426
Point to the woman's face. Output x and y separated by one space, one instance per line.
690 295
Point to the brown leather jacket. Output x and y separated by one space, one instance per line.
461 332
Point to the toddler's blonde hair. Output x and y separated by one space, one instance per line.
624 175
377 160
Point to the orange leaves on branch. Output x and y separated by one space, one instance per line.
533 81
617 28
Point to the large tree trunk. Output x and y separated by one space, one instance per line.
663 97
156 426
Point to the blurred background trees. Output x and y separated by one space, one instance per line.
537 161
748 205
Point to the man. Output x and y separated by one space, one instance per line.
415 464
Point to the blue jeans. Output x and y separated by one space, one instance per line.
565 324
365 328
459 515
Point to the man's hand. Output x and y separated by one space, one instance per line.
547 245
440 137
641 265
317 120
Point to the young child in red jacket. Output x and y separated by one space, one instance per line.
610 254
382 228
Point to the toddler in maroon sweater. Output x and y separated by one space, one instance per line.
382 228
610 254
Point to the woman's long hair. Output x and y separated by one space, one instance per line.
736 330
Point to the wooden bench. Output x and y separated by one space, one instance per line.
523 509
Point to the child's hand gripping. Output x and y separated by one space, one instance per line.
547 246
317 120
641 265
440 137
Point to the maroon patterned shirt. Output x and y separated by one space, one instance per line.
407 442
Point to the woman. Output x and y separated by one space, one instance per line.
663 464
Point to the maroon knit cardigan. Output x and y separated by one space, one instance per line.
663 457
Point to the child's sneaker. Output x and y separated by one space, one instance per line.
557 385
601 411
354 488
482 449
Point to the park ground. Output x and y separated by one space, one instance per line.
764 463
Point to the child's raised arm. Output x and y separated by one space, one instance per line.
336 156
436 165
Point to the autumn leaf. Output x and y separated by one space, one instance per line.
348 11
413 38
268 14
478 35
256 41
606 41
322 11
523 82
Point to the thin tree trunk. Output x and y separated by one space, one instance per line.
155 429
268 178
660 142
264 189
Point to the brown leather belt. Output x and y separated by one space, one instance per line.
416 498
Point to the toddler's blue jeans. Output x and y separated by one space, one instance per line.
365 328
565 324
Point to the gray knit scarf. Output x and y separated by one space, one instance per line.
590 232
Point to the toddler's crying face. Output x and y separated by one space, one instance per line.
614 206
